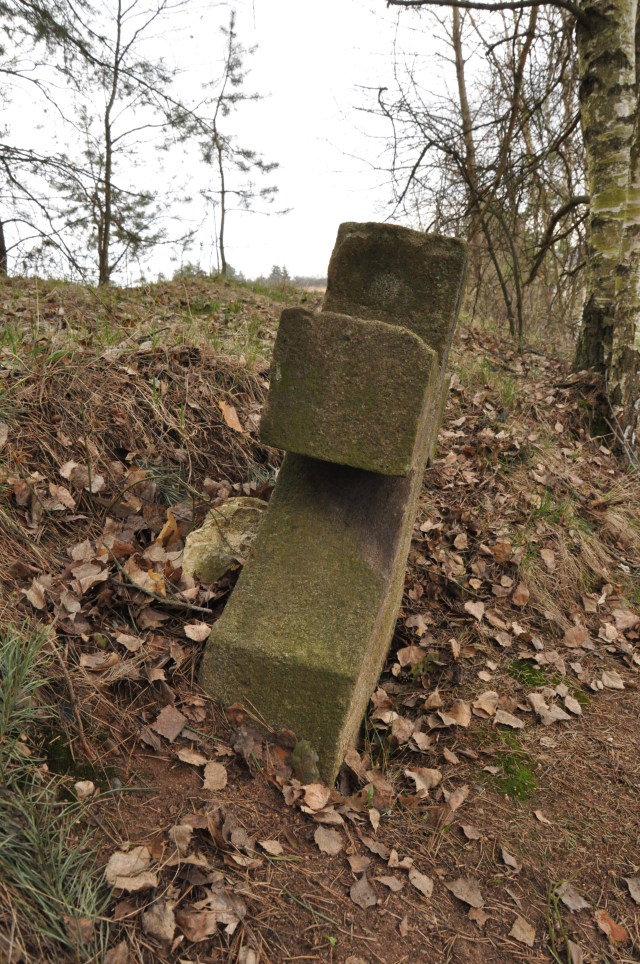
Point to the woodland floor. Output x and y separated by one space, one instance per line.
491 811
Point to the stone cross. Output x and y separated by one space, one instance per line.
356 396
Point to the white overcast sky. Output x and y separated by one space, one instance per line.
312 63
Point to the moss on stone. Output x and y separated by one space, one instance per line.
346 390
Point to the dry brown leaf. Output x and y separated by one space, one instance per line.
575 637
571 897
539 815
35 595
612 680
520 595
486 704
359 863
615 932
572 705
458 715
476 609
316 796
159 920
4 434
272 847
131 643
457 798
625 619
394 884
421 882
470 832
188 755
523 931
502 718
501 551
181 835
230 416
130 870
423 777
97 662
466 889
170 723
576 955
215 776
363 894
197 631
633 883
549 558
511 861
329 841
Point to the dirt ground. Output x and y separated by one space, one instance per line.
490 811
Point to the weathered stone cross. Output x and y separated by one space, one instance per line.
356 396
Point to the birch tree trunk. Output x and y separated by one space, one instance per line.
608 108
624 371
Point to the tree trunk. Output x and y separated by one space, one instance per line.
624 371
608 107
3 253
223 204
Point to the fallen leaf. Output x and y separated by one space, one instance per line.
523 931
612 680
501 551
625 619
478 916
187 755
230 416
181 836
131 643
486 704
615 932
272 847
572 705
575 636
4 434
35 595
633 883
476 609
576 955
198 632
316 796
97 662
159 920
471 832
571 898
329 841
520 595
549 558
511 861
507 719
457 798
359 863
129 870
363 894
466 889
215 776
541 817
421 882
423 777
394 884
458 715
170 723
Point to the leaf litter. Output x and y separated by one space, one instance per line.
134 568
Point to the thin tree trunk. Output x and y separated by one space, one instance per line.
223 203
3 252
608 106
104 241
